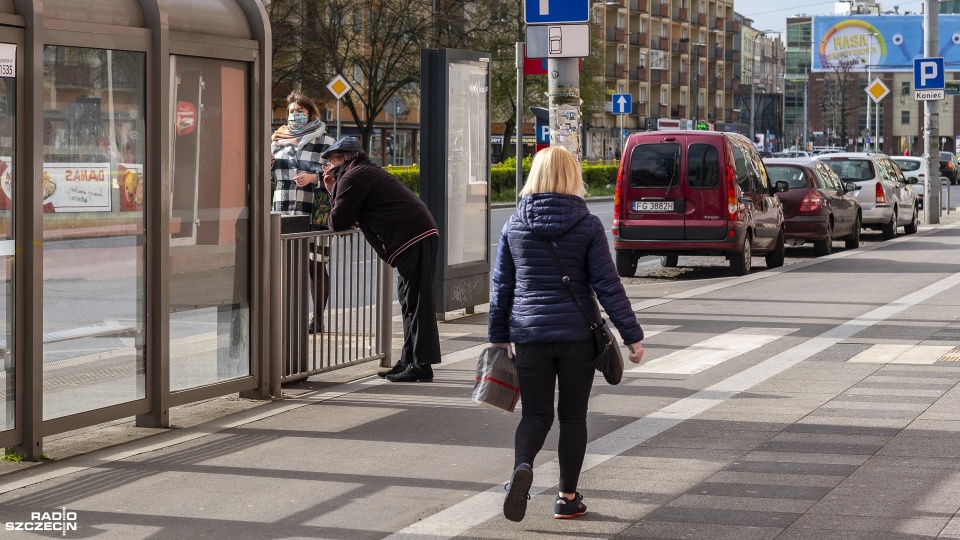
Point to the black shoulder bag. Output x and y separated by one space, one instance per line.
608 361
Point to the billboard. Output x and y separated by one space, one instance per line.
897 41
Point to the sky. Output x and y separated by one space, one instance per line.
769 15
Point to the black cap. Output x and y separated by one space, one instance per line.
345 145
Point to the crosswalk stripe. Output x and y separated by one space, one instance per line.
712 351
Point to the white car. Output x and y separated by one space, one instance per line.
887 201
912 167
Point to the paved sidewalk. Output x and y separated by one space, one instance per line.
788 440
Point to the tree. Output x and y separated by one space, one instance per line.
842 86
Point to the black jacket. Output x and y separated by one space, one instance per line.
390 215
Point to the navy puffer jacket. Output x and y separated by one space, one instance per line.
529 302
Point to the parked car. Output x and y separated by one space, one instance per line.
886 201
950 167
695 193
912 168
819 207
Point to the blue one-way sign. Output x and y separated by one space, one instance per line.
622 103
556 11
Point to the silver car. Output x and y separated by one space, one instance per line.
886 199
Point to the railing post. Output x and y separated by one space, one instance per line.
276 293
386 314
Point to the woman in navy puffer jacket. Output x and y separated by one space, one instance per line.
532 308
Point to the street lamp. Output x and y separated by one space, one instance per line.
866 145
753 81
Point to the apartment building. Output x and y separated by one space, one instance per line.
679 59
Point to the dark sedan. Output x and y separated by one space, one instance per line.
818 207
950 167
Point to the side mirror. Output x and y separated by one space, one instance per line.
782 186
850 186
913 180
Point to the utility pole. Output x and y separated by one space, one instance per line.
931 121
563 92
806 83
866 140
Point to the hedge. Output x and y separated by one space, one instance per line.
503 178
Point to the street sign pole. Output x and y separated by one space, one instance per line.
563 93
931 121
519 141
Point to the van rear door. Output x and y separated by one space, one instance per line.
653 198
705 208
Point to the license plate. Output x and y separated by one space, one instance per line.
653 206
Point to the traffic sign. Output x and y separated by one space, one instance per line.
622 103
928 74
556 11
558 41
339 86
395 106
877 90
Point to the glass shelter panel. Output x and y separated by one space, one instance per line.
7 132
93 228
209 225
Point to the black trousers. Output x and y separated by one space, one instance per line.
540 366
421 339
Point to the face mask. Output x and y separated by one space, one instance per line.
297 120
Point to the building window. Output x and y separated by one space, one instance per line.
905 88
683 98
663 96
643 94
621 21
905 116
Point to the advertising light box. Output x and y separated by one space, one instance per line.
897 40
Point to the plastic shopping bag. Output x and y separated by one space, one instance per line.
497 384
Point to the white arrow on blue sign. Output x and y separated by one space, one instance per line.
622 103
556 11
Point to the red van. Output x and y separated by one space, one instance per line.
695 193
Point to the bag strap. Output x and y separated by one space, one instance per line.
566 281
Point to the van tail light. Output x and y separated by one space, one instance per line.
812 202
732 203
881 196
616 193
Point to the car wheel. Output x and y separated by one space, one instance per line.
824 246
912 227
889 229
775 257
669 261
626 263
741 262
853 241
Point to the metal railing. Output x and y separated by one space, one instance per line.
352 287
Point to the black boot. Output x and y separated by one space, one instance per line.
413 373
399 367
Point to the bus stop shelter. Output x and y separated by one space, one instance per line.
133 139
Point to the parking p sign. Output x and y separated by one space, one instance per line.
928 79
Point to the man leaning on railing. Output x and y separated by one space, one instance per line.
400 228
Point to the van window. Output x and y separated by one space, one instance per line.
654 165
703 166
740 164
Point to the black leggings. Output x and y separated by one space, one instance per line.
540 366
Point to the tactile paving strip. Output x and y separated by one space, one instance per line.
952 356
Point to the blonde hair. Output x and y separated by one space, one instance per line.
554 170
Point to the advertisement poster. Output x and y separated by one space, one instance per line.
886 42
77 187
6 183
130 182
